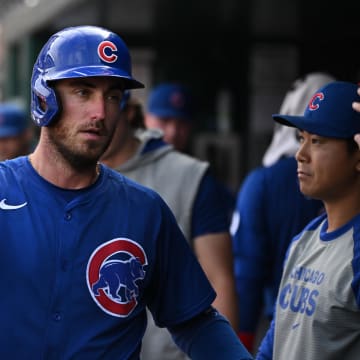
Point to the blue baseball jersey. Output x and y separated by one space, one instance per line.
78 267
317 313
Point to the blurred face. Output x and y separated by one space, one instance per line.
90 110
14 146
176 131
122 135
326 169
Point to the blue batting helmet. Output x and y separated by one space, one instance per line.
75 52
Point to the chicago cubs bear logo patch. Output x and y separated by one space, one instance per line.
112 273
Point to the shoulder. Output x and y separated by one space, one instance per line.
180 168
253 183
256 174
13 163
186 161
263 174
124 183
12 167
282 169
14 177
281 176
120 188
141 202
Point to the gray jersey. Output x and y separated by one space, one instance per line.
317 311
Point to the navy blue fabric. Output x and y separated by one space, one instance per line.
212 208
56 248
200 338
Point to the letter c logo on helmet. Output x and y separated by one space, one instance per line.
107 46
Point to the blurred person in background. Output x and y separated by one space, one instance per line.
15 132
191 192
170 107
270 210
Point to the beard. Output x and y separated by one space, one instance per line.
80 154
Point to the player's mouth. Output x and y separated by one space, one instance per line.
303 175
93 133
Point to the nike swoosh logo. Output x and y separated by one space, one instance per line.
5 206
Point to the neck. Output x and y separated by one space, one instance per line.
59 172
340 212
118 153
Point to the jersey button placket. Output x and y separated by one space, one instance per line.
57 316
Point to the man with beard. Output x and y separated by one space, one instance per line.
86 250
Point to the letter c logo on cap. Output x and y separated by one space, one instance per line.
314 102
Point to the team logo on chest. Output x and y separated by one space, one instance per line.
112 273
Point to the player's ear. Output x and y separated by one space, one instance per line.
358 165
43 104
358 161
354 151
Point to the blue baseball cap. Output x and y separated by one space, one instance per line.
13 120
171 100
329 112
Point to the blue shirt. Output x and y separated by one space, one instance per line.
78 269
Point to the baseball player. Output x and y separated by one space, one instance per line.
317 312
15 132
270 211
85 250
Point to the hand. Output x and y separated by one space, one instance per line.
356 107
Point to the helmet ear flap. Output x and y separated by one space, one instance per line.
44 104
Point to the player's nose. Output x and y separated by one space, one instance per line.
98 107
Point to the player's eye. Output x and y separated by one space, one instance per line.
315 139
115 96
82 92
299 137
